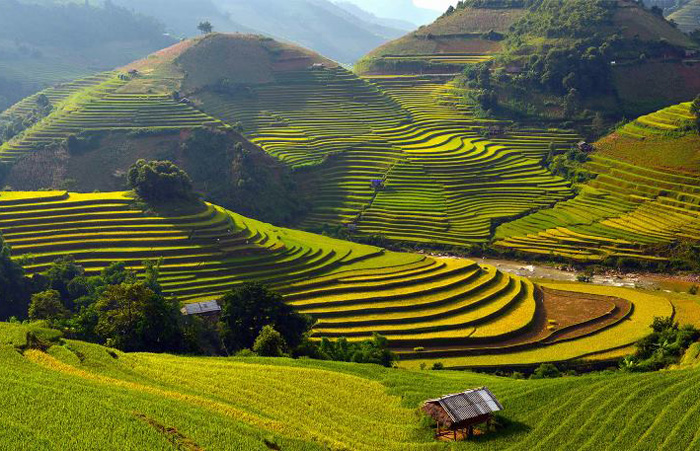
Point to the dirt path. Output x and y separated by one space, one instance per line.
649 281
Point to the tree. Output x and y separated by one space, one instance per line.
571 103
159 181
132 317
14 286
61 276
269 343
246 310
205 27
47 305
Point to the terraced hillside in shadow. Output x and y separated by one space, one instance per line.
427 307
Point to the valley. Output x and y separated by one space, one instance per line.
233 241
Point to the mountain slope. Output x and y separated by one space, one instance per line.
153 401
317 24
398 9
337 131
538 52
640 204
687 17
41 45
473 314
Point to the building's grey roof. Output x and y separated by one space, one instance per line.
200 308
469 404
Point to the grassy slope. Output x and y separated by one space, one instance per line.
458 33
79 396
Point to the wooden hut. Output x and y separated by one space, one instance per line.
456 415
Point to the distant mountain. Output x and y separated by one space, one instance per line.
371 18
317 24
181 17
688 16
43 44
404 10
321 25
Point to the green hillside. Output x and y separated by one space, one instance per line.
45 44
551 60
447 307
337 131
642 202
441 47
85 396
401 158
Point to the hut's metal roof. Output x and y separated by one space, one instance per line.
200 308
469 404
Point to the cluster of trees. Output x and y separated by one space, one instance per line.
15 287
663 347
118 309
569 164
159 181
114 308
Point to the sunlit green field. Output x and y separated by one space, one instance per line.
77 396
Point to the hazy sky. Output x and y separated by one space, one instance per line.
439 5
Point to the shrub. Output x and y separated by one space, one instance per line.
159 181
438 366
374 351
546 371
14 286
269 343
47 306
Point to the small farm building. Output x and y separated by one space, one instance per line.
210 308
585 147
377 184
456 415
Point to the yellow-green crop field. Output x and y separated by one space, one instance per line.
444 182
634 203
78 396
427 307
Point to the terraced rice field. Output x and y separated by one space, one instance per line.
447 63
672 119
628 207
74 392
427 307
444 183
99 103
